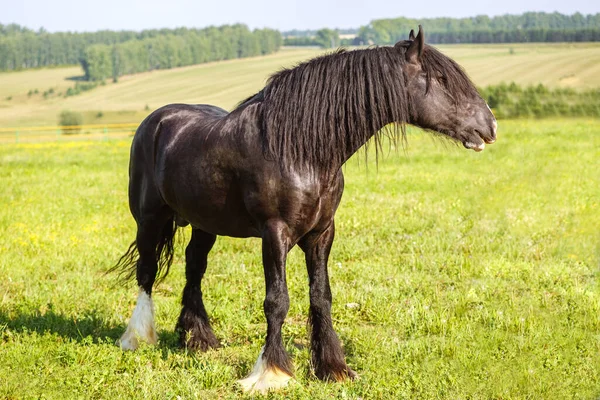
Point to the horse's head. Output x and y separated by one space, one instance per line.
441 96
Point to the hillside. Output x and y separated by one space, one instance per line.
226 83
575 65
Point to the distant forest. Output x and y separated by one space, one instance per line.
528 27
110 54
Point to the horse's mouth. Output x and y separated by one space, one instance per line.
476 141
475 146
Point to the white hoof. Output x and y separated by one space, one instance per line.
128 342
141 325
262 379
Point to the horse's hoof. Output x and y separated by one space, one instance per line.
352 375
130 343
340 375
264 378
197 338
131 338
197 344
262 382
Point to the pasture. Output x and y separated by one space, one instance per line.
226 83
454 274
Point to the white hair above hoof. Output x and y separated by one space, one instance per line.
264 378
141 325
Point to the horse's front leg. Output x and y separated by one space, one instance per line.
273 369
327 354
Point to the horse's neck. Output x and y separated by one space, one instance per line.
370 136
365 129
337 115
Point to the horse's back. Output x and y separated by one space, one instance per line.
160 134
179 115
166 124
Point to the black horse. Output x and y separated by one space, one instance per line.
271 168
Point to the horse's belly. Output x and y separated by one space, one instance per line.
214 210
225 224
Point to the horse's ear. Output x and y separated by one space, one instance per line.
411 35
414 51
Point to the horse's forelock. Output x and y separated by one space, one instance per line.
435 63
456 81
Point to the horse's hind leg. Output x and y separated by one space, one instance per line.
327 354
154 233
193 326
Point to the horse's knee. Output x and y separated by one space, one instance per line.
277 305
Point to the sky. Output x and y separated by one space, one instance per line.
82 15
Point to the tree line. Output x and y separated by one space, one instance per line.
22 48
169 51
106 54
516 36
527 27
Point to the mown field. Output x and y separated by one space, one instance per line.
455 275
226 83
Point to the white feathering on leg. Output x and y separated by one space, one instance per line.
141 325
262 378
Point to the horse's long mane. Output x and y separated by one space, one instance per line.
322 109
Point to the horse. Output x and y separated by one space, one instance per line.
272 168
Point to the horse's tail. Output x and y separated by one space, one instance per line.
126 267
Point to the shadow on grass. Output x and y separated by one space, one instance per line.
76 328
79 328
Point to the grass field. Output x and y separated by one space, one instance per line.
575 65
226 83
455 275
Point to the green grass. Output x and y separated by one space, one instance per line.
226 83
476 276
